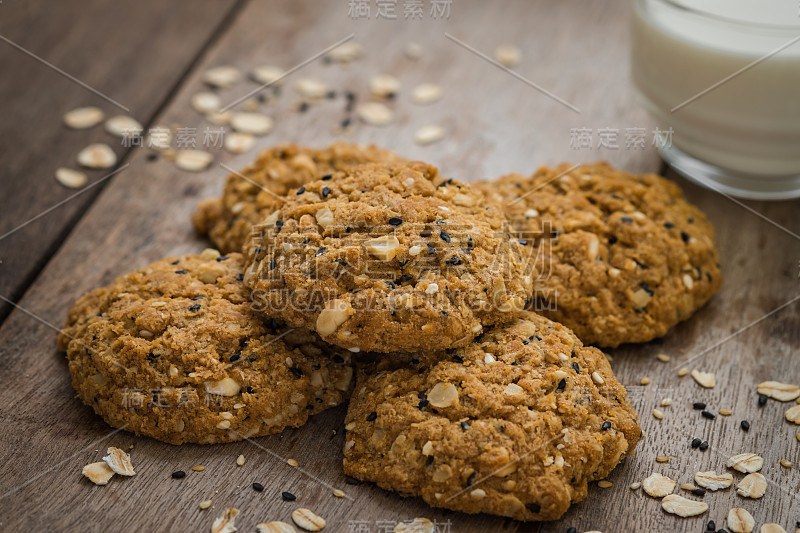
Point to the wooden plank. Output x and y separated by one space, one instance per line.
132 52
496 124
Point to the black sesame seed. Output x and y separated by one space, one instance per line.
562 384
326 191
612 240
222 258
181 272
235 357
330 95
704 445
711 526
249 390
572 530
453 261
464 425
346 122
458 359
273 264
684 236
296 371
709 415
762 400
395 221
320 252
288 496
422 404
606 425
698 405
176 262
445 237
471 478
576 368
745 425
152 156
180 474
300 191
696 443
258 487
669 225
198 298
429 461
534 507
627 220
646 288
338 359
303 107
699 492
523 242
279 223
195 307
372 416
431 249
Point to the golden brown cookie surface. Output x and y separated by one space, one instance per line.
247 200
515 424
615 257
387 258
176 352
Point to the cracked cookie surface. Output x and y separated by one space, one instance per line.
515 424
387 258
614 256
176 352
253 193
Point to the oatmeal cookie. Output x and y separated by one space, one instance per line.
175 351
515 424
248 200
387 258
615 257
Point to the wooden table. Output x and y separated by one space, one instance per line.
149 56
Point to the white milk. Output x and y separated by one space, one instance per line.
749 124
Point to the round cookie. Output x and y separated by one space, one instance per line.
387 258
615 257
175 351
515 424
247 200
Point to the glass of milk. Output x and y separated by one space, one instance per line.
725 76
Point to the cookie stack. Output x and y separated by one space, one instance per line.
354 260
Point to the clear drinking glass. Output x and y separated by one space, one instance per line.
725 76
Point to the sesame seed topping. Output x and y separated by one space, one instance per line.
395 221
258 487
372 416
288 496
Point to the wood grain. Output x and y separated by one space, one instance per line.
132 52
496 124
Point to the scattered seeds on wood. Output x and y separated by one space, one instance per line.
223 77
426 93
275 527
793 414
604 484
783 392
206 102
225 522
123 126
740 521
752 486
508 55
683 372
704 379
664 358
193 160
266 74
384 86
119 461
346 52
240 460
374 113
429 134
253 123
292 462
238 143
786 463
98 473
683 507
72 179
82 118
658 486
712 481
97 155
773 528
311 89
658 414
745 463
413 51
307 520
418 525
